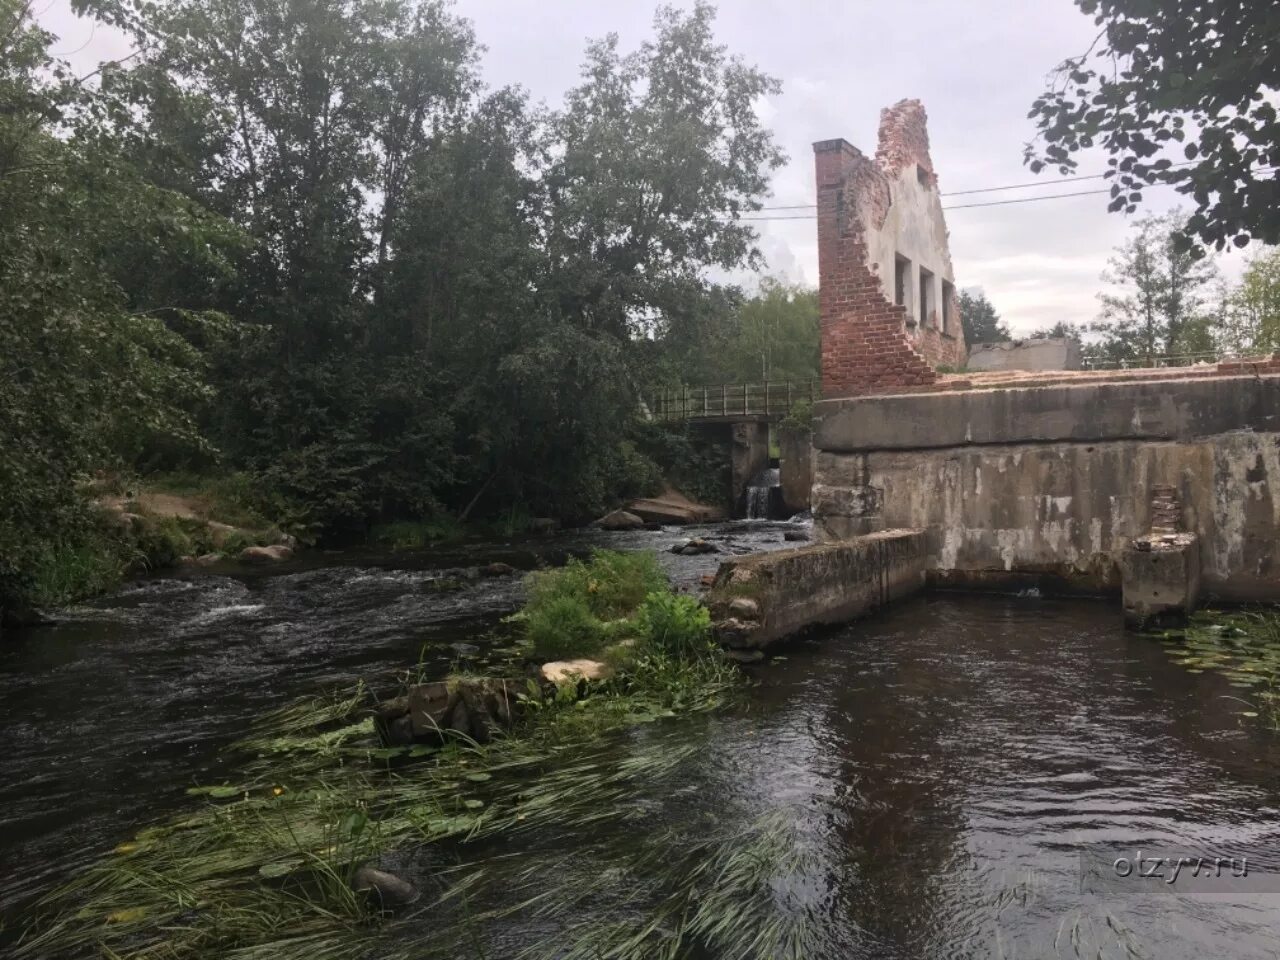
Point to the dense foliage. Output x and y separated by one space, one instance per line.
305 241
89 369
1164 305
980 321
1178 92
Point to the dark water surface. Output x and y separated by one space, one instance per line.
943 764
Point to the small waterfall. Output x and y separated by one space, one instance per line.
760 493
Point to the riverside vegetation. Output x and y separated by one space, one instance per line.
307 251
264 868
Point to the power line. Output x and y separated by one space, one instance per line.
992 203
960 206
1052 196
1026 185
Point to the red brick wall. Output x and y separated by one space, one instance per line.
865 348
944 349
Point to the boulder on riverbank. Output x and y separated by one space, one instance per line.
619 520
671 507
276 553
388 890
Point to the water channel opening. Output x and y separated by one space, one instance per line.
764 495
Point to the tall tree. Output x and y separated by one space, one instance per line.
776 334
1249 315
980 321
1199 76
86 376
658 153
1159 302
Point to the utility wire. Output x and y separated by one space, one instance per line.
1027 185
990 203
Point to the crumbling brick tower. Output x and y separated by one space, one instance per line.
887 292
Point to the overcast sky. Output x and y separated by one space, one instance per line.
976 65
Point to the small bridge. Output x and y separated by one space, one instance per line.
735 402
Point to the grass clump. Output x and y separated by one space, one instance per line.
576 610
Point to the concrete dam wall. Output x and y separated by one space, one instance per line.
1055 481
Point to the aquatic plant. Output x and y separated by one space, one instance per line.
264 867
1242 646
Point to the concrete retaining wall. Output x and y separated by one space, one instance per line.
1055 481
761 598
1047 353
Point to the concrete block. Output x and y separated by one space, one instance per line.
1161 579
792 590
1046 353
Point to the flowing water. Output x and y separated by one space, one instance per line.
762 492
943 765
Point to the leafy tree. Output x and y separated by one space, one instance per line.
657 153
980 321
1158 307
1249 314
776 336
85 375
451 294
1202 74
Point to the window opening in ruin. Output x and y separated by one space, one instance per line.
922 175
901 275
927 304
948 295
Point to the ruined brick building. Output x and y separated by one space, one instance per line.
888 296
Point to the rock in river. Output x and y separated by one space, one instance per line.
272 554
619 520
388 889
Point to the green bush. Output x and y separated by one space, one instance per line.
674 623
574 611
563 628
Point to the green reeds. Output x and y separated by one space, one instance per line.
263 868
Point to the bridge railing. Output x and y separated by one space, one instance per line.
729 401
1139 363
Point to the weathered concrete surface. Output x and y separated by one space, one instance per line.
795 448
1170 409
748 455
1161 574
1044 353
1055 482
759 599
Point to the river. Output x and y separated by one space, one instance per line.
943 764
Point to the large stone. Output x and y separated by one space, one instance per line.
571 671
620 520
273 554
390 892
475 707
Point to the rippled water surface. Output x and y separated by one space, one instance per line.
943 764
